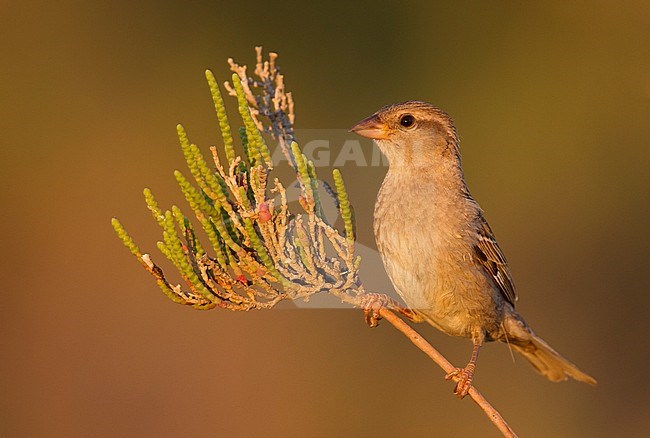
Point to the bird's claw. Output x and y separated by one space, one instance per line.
372 303
463 378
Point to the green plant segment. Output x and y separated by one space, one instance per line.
256 251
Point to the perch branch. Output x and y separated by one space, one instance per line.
494 415
387 313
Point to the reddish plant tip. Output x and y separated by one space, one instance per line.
242 279
263 216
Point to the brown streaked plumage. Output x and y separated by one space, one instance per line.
437 247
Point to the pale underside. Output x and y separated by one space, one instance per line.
439 269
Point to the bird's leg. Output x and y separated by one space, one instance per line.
372 303
464 376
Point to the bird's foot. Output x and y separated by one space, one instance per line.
463 378
372 303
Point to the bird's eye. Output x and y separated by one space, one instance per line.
407 120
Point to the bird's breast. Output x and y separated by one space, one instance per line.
427 255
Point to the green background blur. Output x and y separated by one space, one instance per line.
552 103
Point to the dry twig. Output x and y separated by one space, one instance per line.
494 416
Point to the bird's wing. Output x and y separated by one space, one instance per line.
494 262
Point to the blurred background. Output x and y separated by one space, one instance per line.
552 103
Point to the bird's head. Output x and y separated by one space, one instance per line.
411 133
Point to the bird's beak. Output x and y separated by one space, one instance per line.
371 127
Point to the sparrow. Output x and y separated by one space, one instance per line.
437 247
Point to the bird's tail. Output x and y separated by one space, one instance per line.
541 356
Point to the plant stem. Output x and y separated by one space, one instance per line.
494 415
